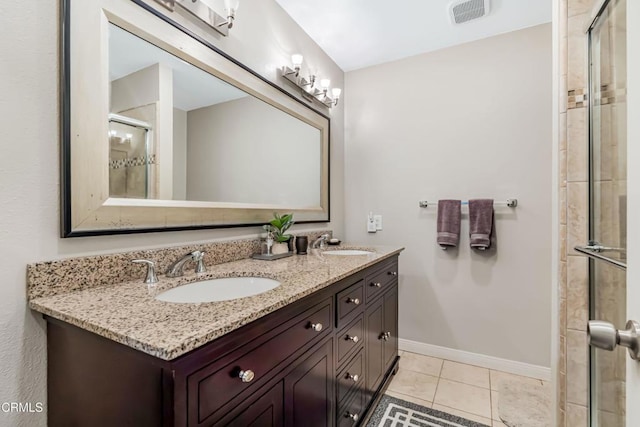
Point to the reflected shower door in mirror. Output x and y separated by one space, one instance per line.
198 138
131 158
163 131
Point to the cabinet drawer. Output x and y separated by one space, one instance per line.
217 384
380 280
349 303
350 338
351 412
351 377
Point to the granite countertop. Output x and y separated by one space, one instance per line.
128 313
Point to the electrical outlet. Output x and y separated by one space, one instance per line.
371 225
378 220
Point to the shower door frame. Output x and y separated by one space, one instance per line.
600 9
118 118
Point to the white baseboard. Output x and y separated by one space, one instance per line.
490 362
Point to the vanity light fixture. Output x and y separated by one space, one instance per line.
296 60
231 7
203 12
309 91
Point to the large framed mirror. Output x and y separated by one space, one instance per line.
162 132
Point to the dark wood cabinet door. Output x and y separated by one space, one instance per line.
374 356
309 389
266 411
390 326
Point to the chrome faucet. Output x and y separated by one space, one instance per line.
151 277
177 268
320 241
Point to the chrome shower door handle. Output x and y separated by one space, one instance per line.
604 335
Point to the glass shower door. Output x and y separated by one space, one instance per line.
131 158
607 219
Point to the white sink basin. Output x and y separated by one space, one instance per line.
348 252
222 289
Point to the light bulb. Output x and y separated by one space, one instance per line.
231 5
113 133
128 137
296 60
324 83
336 91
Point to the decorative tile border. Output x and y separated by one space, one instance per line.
577 98
610 94
132 161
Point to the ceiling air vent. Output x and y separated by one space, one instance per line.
467 10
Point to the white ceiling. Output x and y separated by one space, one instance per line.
361 33
192 87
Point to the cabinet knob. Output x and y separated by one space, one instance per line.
354 417
355 377
385 336
376 284
316 327
246 376
355 301
353 338
393 273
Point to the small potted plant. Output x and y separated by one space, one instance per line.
278 226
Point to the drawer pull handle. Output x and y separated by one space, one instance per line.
393 273
355 301
246 376
316 327
354 417
355 377
353 338
376 284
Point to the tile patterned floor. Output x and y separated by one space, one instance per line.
458 389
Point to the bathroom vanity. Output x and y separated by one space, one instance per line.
320 351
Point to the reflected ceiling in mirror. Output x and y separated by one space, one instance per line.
162 131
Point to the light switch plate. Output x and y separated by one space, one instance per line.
371 224
378 220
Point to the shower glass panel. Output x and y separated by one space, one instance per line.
130 160
607 216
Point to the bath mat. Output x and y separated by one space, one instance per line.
392 412
524 404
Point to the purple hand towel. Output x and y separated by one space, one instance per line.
480 223
449 213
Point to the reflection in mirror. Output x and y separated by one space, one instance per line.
130 161
177 132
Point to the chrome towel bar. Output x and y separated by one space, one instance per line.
594 251
512 203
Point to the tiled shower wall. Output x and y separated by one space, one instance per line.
573 180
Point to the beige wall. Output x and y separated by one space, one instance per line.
464 122
263 38
147 95
247 151
179 154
